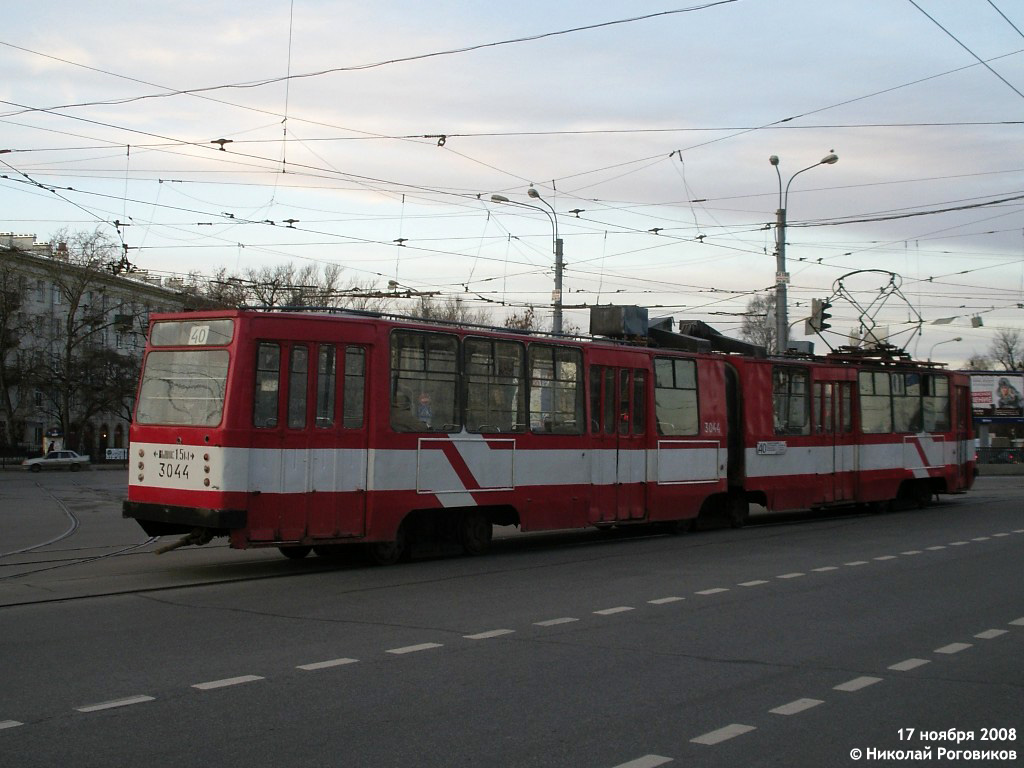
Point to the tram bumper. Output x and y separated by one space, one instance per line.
164 519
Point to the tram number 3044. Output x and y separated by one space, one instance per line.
173 470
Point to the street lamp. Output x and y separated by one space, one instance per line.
944 341
781 276
549 211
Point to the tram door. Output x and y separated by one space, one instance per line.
833 422
618 400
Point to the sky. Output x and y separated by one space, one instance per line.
373 135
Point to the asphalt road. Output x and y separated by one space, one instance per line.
792 642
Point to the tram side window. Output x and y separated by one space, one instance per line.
791 401
675 396
556 389
267 384
326 376
495 395
639 401
298 375
353 405
936 403
875 406
424 382
906 402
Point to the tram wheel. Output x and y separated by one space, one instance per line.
389 552
738 511
296 552
475 533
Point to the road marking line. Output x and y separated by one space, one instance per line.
794 707
936 548
723 734
554 622
903 666
647 761
886 557
227 682
911 552
826 568
664 600
790 575
9 724
856 684
857 562
127 702
999 535
953 648
326 664
713 591
490 634
1019 530
414 648
610 611
988 634
958 543
754 583
981 538
1018 622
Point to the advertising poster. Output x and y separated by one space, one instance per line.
997 394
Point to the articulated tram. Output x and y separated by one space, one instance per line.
314 431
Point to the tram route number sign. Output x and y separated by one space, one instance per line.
771 448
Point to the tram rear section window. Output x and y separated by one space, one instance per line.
791 401
424 382
675 396
183 387
495 387
903 402
556 389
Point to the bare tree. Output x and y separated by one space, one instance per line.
977 362
13 330
1006 349
522 321
451 310
758 326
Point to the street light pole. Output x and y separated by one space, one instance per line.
781 276
556 295
944 341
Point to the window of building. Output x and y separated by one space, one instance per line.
675 396
495 395
556 389
791 400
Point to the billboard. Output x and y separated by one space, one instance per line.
997 394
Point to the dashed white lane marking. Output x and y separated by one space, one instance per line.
910 552
9 724
326 664
936 548
857 683
611 611
791 576
713 591
988 634
825 568
723 734
227 682
794 707
982 538
909 664
953 648
999 535
647 761
1018 622
857 562
665 600
886 557
754 583
490 634
126 702
958 543
555 622
1019 530
414 648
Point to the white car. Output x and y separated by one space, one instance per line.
57 460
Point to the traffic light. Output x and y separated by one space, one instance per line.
816 323
823 314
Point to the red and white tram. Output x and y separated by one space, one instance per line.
313 430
